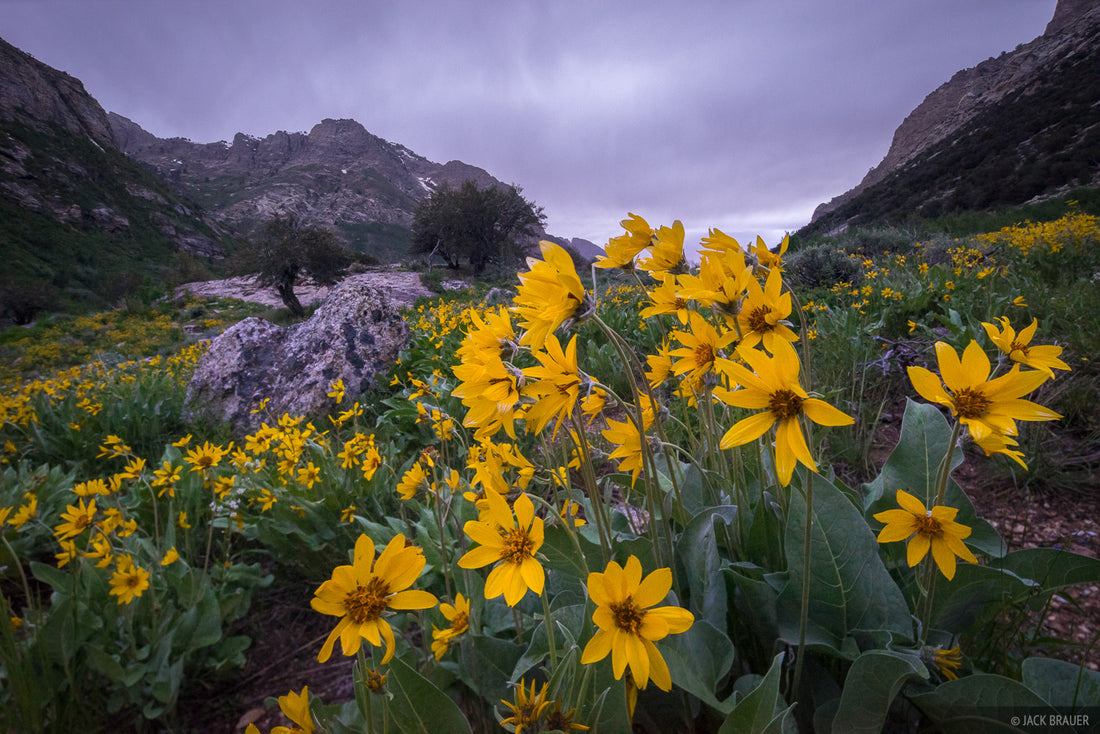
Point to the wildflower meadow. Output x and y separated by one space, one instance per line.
638 496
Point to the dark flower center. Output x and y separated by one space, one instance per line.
627 616
367 602
704 354
757 319
785 404
517 546
928 526
971 403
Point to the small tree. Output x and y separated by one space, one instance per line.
285 251
476 225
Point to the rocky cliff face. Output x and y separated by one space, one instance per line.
337 175
35 93
971 92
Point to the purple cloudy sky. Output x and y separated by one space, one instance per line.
742 114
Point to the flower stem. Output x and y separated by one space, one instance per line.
804 613
548 622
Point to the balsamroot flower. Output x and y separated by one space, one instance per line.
628 441
773 388
77 518
984 406
554 383
128 581
666 253
510 541
935 529
361 592
702 345
1044 358
295 706
459 617
621 250
629 623
549 294
762 313
528 708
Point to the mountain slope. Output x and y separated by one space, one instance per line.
1010 129
337 175
80 223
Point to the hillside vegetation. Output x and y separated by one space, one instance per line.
120 232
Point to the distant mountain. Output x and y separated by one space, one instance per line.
92 206
1015 127
80 223
337 175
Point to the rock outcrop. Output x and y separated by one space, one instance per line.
354 336
970 92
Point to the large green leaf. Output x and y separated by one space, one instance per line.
850 588
561 554
763 709
418 706
870 687
698 660
1051 568
913 466
1062 684
975 594
979 704
698 547
486 665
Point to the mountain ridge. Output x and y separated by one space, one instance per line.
983 91
336 175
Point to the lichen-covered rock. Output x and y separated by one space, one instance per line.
355 336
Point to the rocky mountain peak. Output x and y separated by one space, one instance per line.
34 93
1067 13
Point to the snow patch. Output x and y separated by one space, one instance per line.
427 183
343 170
97 145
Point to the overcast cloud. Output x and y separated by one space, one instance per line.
742 115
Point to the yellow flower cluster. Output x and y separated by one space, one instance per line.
1073 232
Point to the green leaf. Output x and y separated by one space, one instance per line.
208 629
418 706
102 662
57 579
1051 568
486 665
870 687
755 610
913 466
561 553
698 660
850 588
978 703
763 706
1061 684
974 595
698 547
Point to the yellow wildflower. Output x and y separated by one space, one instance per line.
629 623
935 528
361 592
